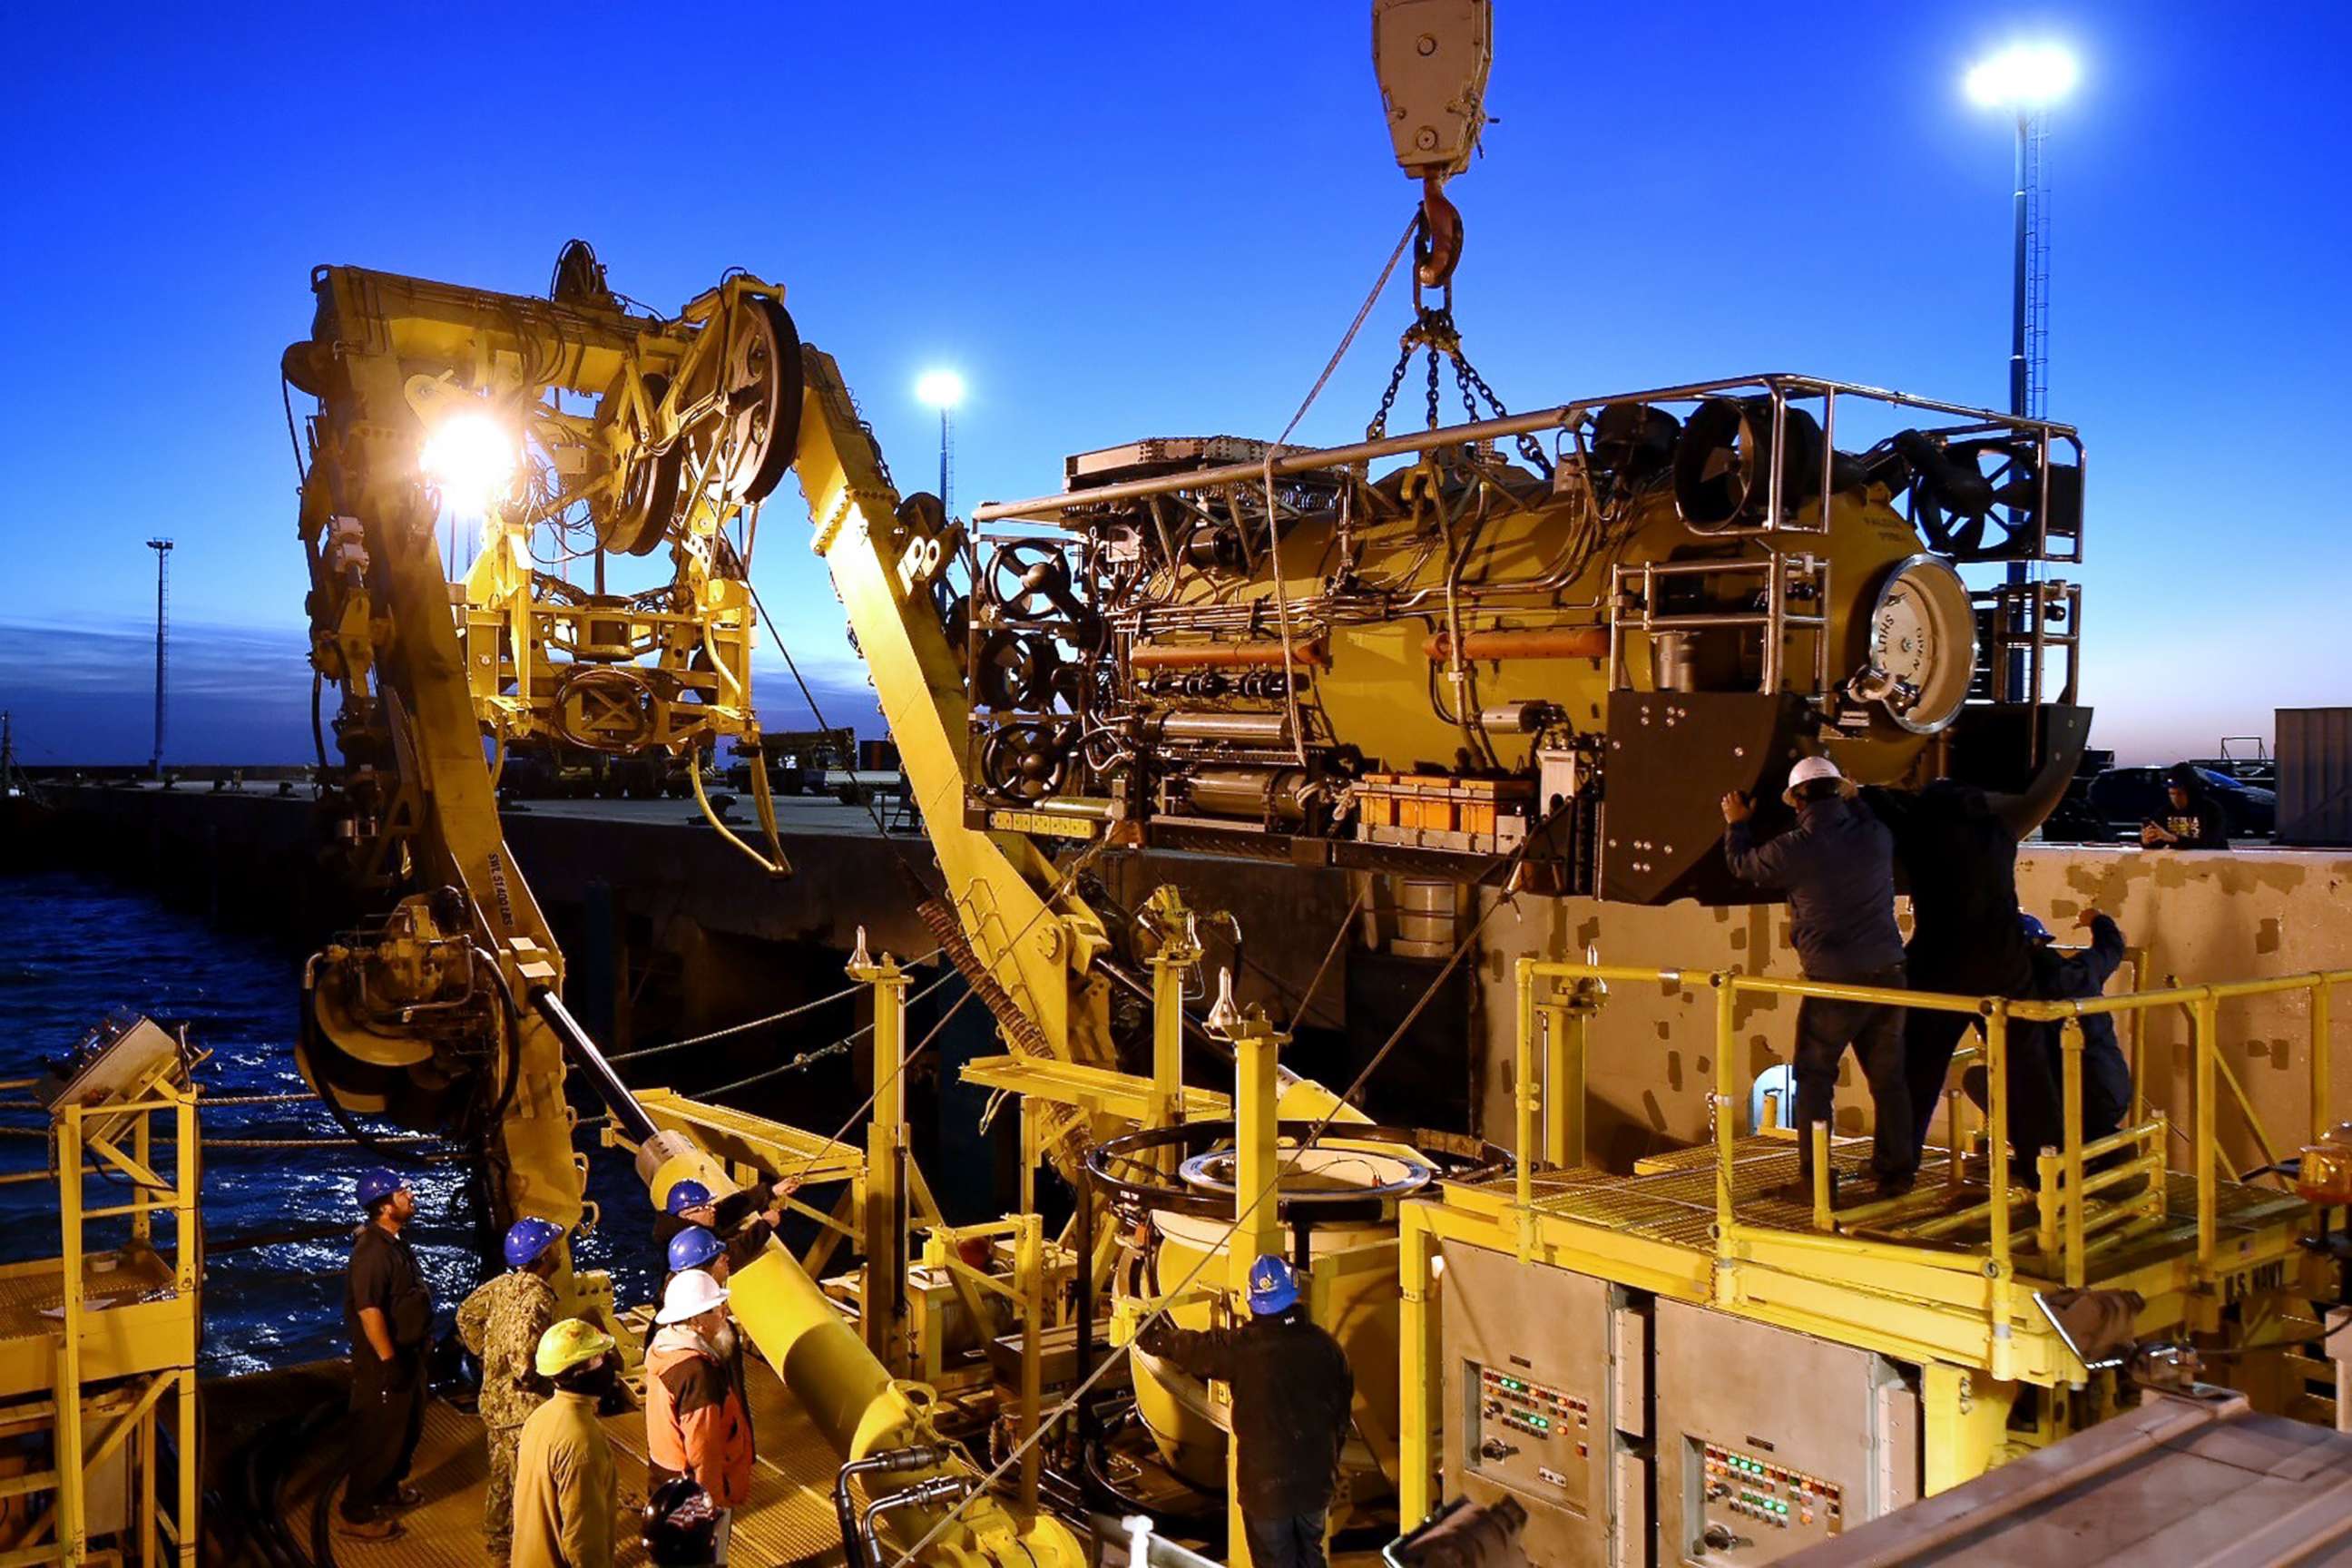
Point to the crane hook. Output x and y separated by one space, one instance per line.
1437 243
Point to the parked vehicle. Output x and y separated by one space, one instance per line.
2077 820
2125 797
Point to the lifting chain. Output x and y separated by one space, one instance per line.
1432 332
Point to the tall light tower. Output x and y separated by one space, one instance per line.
942 389
162 549
2026 80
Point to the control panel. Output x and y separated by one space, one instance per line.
1753 1509
1528 1435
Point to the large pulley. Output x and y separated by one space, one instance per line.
758 427
742 430
637 516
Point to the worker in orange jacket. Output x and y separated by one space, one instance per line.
696 1422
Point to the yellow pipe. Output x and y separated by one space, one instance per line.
2126 1138
1417 1349
2069 1054
2046 1166
1944 1225
1838 1244
1823 1211
1883 996
882 1303
2208 1050
1029 1265
2321 1001
1523 1107
1563 1088
1256 1227
141 1155
843 1385
1726 1094
1564 969
1167 1106
2001 1360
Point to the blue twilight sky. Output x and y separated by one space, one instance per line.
1124 219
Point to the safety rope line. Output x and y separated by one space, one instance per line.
1272 516
204 1101
1061 886
795 1011
44 1133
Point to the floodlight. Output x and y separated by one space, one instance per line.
2024 76
471 457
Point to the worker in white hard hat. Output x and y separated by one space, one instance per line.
696 1423
1837 866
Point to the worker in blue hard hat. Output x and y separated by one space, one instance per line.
742 1221
697 1246
2060 975
1293 1396
389 1311
501 1324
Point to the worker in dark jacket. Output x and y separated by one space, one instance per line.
1959 860
737 1219
389 1312
2079 976
1292 1396
1837 866
2193 819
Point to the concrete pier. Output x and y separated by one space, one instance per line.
663 919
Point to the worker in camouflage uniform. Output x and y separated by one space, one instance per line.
501 1324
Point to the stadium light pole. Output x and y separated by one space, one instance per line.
942 390
2025 80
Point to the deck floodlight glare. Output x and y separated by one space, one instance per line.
2024 76
471 457
940 388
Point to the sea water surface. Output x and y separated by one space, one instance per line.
72 950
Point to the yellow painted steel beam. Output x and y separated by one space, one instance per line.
882 1303
1096 1091
1039 952
1419 1373
1257 1228
1967 1419
1029 1271
776 1147
2204 1138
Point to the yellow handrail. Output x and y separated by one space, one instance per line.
2065 1228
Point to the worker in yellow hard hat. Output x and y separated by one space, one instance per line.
565 1492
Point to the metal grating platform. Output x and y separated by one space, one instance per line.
1671 1199
789 1520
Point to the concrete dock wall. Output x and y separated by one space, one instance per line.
729 943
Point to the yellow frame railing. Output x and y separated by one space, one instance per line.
160 1341
2063 1229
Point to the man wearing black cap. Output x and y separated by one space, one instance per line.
1959 854
2192 819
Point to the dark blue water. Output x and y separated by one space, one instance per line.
71 950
